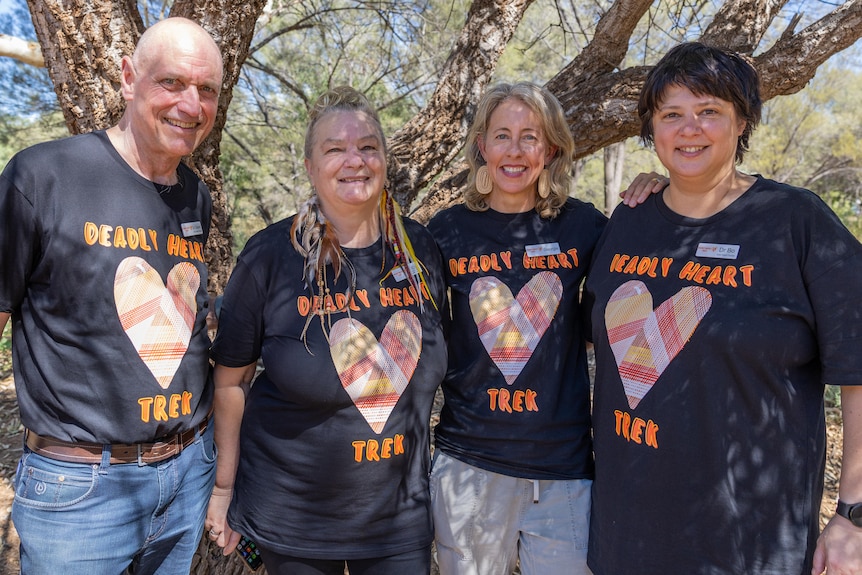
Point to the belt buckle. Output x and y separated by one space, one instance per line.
140 455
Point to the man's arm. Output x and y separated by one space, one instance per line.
4 317
839 549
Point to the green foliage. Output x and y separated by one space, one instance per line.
6 352
810 139
832 397
19 132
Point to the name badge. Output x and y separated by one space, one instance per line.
548 249
721 251
192 229
398 272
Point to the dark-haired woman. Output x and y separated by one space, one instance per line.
720 308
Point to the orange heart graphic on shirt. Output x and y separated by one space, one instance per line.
373 373
510 327
158 319
645 341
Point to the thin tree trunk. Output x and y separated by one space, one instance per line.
615 156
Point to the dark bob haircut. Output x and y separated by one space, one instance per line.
706 71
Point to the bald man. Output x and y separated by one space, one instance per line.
102 272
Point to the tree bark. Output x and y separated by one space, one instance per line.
615 156
231 23
83 42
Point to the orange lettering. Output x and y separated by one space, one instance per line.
462 266
358 448
145 403
120 238
174 405
530 398
159 413
714 277
371 450
746 274
91 233
105 235
688 271
665 266
362 294
503 400
173 246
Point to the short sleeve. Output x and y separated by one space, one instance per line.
18 239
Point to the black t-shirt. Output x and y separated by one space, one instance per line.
106 282
335 453
517 398
714 338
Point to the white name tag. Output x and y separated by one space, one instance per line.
721 251
537 250
192 229
398 272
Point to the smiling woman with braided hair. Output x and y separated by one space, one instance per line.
327 459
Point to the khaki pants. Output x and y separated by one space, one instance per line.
485 522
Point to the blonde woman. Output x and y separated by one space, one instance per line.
513 466
326 462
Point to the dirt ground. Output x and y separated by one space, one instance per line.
10 450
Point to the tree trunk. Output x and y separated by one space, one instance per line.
82 43
231 23
615 157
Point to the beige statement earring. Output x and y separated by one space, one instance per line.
544 184
484 185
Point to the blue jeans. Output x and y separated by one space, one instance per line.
89 519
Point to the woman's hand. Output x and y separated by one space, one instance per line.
641 187
216 524
839 549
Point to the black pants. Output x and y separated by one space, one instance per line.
411 563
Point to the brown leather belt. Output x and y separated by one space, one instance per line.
85 452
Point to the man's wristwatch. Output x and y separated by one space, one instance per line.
851 511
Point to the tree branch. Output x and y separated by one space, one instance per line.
21 50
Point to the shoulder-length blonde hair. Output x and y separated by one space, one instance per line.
554 129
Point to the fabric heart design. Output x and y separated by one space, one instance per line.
510 328
373 373
644 341
158 319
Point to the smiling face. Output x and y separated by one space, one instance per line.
347 165
696 136
171 87
515 151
